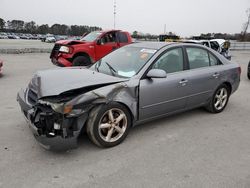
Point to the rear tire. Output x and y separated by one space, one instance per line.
248 71
108 124
219 100
81 61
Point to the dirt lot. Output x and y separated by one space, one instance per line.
192 149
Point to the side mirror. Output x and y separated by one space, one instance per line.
157 73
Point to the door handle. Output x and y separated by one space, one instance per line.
183 82
216 75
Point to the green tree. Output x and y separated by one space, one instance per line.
43 29
30 27
2 23
17 25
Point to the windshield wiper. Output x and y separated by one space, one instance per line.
111 68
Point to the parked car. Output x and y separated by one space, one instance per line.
13 36
42 38
248 71
220 45
89 49
50 39
24 36
1 66
3 36
134 84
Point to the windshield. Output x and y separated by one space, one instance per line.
91 36
124 62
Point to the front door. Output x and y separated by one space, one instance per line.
160 96
107 43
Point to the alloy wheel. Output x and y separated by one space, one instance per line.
221 98
112 125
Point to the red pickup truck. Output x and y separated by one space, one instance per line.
89 49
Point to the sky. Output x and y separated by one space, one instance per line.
183 17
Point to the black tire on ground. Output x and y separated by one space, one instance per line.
81 61
99 125
248 71
225 94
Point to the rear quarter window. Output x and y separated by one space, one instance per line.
122 37
213 60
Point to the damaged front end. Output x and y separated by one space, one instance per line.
57 117
55 125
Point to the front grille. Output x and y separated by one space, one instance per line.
32 97
55 50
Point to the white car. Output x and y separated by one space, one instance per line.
50 39
220 45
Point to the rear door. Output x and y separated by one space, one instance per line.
122 38
204 75
159 96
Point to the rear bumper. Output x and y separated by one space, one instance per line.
65 140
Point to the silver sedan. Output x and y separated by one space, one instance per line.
134 84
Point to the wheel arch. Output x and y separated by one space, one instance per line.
229 85
129 110
85 54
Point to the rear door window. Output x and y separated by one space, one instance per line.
122 37
197 57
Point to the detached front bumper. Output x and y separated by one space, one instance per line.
41 124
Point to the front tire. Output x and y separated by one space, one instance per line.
219 100
108 124
81 61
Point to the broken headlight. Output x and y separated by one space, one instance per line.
63 108
58 107
64 49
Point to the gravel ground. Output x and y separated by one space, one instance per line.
192 149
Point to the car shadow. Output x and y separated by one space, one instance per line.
84 142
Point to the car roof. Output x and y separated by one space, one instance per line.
107 31
151 45
220 41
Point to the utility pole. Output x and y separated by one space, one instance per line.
164 28
114 13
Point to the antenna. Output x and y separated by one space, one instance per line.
114 12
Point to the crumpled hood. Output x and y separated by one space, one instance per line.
72 42
56 81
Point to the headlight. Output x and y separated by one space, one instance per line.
64 49
58 107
